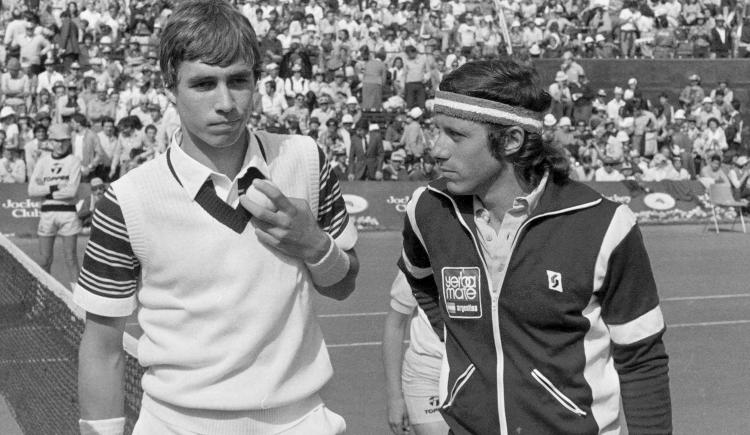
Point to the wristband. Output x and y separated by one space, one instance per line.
332 268
111 426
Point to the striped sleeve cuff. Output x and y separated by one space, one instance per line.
402 299
102 305
647 325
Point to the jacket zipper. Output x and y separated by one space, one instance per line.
459 384
556 393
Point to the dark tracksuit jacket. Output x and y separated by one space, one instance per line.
569 343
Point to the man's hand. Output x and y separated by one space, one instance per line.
398 417
291 228
378 175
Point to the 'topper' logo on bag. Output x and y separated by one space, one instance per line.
462 292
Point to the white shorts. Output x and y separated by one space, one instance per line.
419 381
58 223
319 421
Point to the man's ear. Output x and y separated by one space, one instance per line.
170 96
514 138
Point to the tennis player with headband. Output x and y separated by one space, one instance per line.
542 288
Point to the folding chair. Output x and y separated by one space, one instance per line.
720 195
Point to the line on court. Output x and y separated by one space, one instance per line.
34 360
329 316
699 298
720 323
362 344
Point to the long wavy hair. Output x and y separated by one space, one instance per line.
515 84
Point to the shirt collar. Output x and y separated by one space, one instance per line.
192 174
521 203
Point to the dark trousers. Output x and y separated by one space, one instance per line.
414 94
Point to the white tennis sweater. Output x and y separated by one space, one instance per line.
228 322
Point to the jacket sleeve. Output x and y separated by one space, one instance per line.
415 264
630 308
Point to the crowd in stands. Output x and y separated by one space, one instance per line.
359 76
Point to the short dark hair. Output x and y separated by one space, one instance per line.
515 84
212 31
80 118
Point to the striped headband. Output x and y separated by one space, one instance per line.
481 110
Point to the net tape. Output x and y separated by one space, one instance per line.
40 331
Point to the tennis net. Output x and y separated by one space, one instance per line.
40 331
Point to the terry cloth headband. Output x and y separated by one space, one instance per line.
481 110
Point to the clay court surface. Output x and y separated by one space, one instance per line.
704 284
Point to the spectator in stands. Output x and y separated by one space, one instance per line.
608 172
393 168
721 39
87 206
12 166
108 142
296 84
739 177
273 103
413 140
373 80
334 138
714 140
425 170
415 71
68 38
324 111
15 86
33 46
660 169
682 174
35 148
339 165
129 141
562 102
713 173
85 146
299 111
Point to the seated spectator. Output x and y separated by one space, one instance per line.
87 206
334 138
273 103
339 165
661 169
425 170
739 177
393 168
299 111
713 172
608 172
12 166
681 174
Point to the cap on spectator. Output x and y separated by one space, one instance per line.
599 37
352 100
707 100
42 116
398 156
588 40
694 78
628 94
534 50
601 93
96 182
13 64
6 112
49 61
539 21
679 114
314 120
347 119
549 120
741 161
561 76
75 65
564 122
515 23
106 48
415 113
632 81
59 132
331 122
339 73
374 126
618 90
608 161
622 136
271 66
72 85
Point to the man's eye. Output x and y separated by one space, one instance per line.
203 85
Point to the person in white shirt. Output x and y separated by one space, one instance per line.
681 174
615 104
608 172
661 169
273 103
12 166
296 84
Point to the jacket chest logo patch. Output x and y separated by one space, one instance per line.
554 281
462 292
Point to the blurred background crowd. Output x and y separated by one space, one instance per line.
358 76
